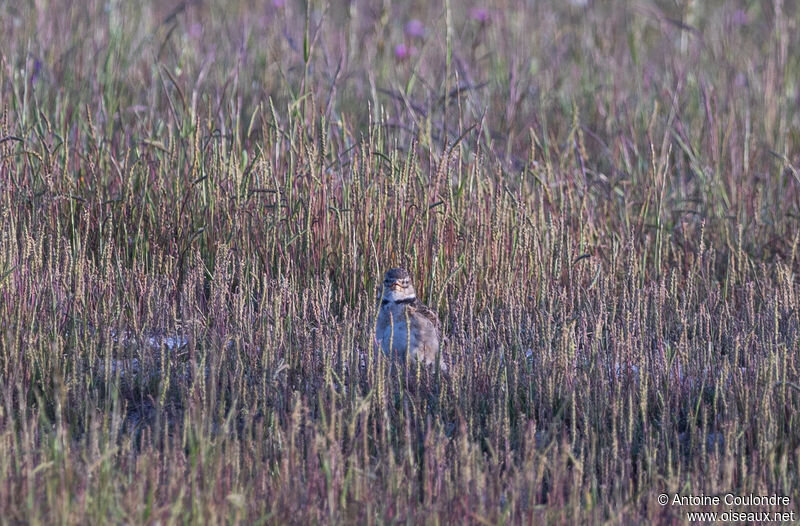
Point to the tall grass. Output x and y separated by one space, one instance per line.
199 200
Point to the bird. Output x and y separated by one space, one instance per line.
405 325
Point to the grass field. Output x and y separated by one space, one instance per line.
198 201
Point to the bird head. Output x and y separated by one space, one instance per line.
397 285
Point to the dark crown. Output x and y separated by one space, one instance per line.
395 274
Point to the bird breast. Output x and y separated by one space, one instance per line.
393 329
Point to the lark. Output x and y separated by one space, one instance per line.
405 325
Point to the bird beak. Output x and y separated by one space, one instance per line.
394 285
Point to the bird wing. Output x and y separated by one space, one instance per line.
429 315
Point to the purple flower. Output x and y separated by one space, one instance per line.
37 68
415 29
402 52
479 14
